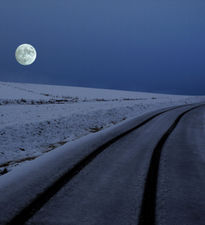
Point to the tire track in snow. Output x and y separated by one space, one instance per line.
24 215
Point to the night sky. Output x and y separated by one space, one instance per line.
140 45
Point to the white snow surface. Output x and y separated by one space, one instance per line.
36 119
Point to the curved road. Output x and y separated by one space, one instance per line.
154 175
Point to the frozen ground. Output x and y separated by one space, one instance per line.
38 118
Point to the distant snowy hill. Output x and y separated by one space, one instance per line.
38 118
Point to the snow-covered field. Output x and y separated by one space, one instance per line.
38 118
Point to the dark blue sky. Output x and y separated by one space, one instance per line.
142 45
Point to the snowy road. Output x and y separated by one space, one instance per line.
153 175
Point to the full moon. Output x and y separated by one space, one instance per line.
25 54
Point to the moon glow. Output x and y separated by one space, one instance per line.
25 54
